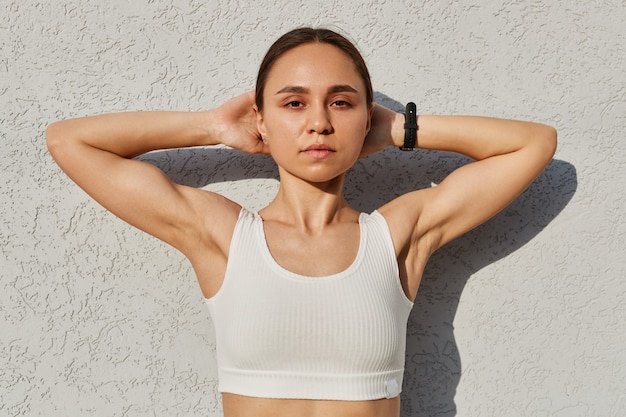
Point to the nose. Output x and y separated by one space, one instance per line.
319 120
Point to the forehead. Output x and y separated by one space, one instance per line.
314 63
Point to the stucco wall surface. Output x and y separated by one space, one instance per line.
522 317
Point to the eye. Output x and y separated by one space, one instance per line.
341 103
294 104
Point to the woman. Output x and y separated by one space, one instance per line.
309 297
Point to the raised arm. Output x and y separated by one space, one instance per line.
96 152
509 155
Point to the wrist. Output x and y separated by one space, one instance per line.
397 131
208 122
410 128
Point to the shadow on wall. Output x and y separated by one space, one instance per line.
433 366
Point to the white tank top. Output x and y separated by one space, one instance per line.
283 335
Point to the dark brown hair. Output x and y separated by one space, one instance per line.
303 36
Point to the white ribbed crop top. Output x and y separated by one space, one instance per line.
284 335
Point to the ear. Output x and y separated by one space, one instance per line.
260 123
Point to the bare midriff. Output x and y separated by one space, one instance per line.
242 406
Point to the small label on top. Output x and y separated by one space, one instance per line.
393 389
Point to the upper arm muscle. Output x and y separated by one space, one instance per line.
135 191
474 193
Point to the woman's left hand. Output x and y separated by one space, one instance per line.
386 127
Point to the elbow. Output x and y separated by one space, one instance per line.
54 138
551 138
546 137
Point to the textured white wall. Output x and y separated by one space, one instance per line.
522 317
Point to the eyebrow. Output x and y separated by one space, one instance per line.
339 88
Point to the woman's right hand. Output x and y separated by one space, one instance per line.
234 124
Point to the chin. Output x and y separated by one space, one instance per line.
323 179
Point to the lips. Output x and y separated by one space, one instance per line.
319 151
318 147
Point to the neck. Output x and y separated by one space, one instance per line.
307 205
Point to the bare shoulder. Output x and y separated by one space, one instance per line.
213 221
412 235
405 217
207 241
